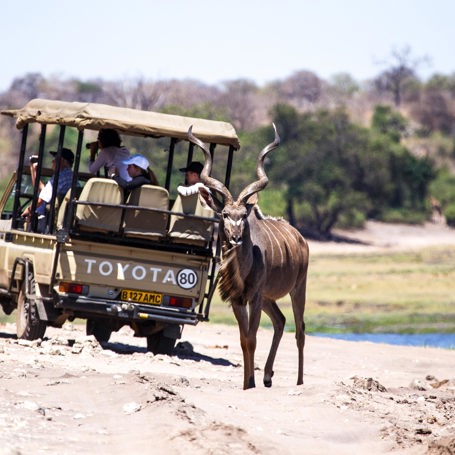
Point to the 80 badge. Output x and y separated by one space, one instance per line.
187 278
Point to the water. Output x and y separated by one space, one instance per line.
435 340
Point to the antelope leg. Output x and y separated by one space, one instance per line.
298 308
278 320
248 322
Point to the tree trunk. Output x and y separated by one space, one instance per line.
290 212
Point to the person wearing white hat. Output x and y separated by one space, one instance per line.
139 172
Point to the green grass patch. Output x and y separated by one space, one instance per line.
403 292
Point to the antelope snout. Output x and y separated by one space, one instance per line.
235 240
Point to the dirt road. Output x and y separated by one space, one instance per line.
67 395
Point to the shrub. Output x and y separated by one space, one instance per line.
449 213
354 219
405 216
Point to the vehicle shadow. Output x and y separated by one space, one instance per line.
183 350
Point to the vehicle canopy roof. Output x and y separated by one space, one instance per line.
131 121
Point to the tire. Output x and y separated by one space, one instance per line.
28 324
158 343
99 329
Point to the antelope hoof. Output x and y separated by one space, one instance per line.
268 380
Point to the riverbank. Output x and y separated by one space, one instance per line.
384 237
372 288
383 279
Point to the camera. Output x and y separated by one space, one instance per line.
89 144
33 159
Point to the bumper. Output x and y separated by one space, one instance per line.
85 307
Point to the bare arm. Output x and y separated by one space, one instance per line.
96 162
33 167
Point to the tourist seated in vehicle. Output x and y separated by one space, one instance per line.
139 172
65 178
184 229
192 179
109 153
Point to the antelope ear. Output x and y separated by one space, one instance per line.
253 199
208 200
251 202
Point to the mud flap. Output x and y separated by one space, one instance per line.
173 331
46 310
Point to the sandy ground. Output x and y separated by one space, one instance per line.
69 395
387 237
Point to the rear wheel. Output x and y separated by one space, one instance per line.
28 324
99 329
158 343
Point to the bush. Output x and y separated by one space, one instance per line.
272 202
405 216
349 220
449 213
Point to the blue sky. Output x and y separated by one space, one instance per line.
215 41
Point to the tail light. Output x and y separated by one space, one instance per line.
182 302
73 288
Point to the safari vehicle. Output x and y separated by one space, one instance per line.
149 262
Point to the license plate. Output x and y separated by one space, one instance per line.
151 298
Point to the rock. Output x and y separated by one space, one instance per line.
132 407
21 342
30 405
368 384
438 384
184 347
442 446
417 384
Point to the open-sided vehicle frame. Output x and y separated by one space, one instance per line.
148 261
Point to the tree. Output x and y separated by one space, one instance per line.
388 122
332 170
30 86
342 87
136 94
402 70
302 89
238 98
316 166
409 175
88 91
433 112
442 83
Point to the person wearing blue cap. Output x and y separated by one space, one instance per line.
139 172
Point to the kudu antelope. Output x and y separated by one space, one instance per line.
264 259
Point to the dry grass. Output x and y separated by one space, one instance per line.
392 292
